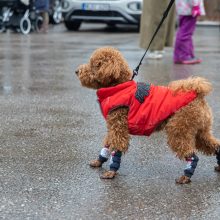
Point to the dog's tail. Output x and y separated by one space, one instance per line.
198 84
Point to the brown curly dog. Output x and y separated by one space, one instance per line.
134 108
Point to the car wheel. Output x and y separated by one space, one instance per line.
139 26
111 24
72 25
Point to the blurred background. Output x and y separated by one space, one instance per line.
26 16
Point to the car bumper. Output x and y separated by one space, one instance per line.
117 12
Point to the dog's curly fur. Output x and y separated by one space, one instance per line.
188 130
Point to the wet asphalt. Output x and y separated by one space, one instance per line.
51 128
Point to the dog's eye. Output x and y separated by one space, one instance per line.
98 64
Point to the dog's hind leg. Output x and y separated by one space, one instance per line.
181 139
183 144
192 162
217 168
209 145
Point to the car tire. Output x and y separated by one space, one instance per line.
111 25
72 25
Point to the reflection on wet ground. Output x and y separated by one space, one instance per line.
51 128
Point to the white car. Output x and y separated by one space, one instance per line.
110 12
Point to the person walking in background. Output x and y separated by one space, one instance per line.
188 11
152 14
43 7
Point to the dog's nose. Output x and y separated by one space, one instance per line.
77 72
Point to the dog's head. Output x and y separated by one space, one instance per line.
106 68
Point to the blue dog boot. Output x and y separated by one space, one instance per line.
114 165
115 161
217 168
191 165
189 170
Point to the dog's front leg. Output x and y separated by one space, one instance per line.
117 139
103 157
114 165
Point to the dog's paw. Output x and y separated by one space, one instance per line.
108 175
183 180
95 163
217 168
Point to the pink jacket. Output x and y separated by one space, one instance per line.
184 7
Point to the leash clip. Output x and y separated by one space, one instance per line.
135 73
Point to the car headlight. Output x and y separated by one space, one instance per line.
65 4
134 6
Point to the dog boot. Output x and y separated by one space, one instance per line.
189 170
217 168
103 157
114 165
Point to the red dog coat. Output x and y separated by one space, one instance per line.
148 105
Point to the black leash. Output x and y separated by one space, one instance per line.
135 71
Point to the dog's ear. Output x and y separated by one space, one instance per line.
109 66
112 68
